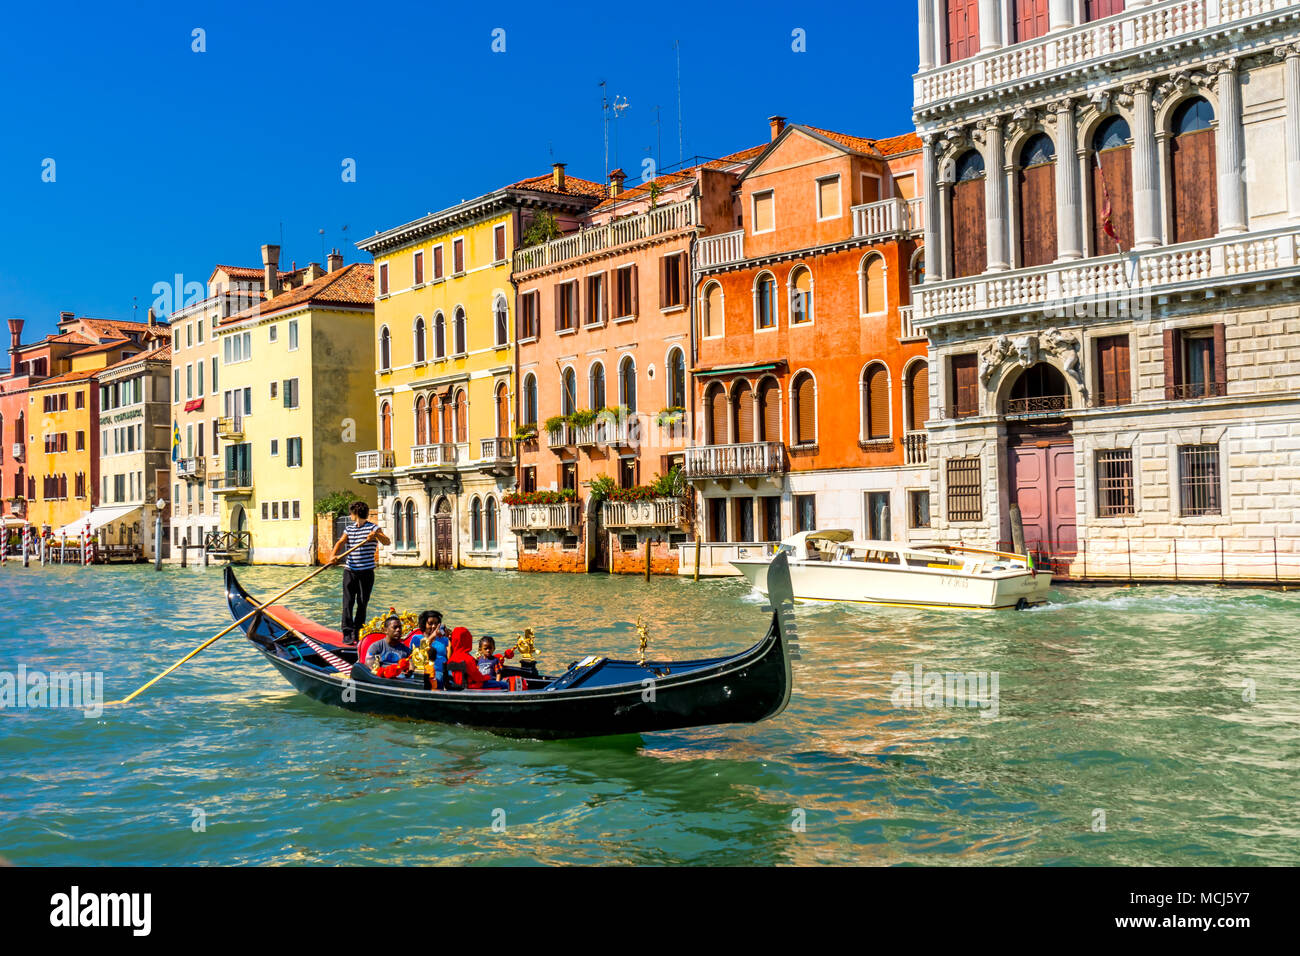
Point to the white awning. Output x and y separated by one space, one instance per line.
98 518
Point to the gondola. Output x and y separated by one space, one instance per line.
596 696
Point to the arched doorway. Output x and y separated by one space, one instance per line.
1040 462
443 558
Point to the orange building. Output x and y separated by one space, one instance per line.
812 387
604 354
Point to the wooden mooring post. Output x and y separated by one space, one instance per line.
698 544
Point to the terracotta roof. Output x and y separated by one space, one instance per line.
77 338
67 377
890 146
243 272
678 176
573 186
163 354
110 326
352 285
111 344
903 143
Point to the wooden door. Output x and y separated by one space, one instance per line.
963 29
1038 215
1062 530
743 403
1195 192
1096 9
1030 18
1042 484
442 551
1114 180
969 246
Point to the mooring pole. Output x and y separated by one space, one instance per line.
1017 529
647 558
698 544
1276 579
157 542
27 546
185 548
1175 560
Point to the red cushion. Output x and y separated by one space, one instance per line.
364 645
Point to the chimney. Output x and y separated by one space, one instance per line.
66 318
270 271
777 123
312 272
557 175
15 337
334 262
616 177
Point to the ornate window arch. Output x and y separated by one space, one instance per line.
528 404
876 408
439 336
967 223
385 349
803 403
627 383
766 312
801 295
458 331
675 386
872 284
501 321
596 385
712 319
419 340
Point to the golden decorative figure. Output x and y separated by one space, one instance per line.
643 632
420 657
526 647
376 624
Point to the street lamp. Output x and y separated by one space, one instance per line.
161 505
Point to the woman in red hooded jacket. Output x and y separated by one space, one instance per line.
462 652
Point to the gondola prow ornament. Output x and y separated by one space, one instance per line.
643 632
527 647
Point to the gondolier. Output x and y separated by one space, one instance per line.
359 572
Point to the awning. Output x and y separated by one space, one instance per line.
98 518
733 369
194 405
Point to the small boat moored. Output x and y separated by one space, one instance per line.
832 566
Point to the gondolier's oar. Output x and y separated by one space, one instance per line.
223 632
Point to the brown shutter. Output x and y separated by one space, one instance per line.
920 397
769 398
1220 360
1038 215
969 246
718 415
877 402
1030 19
663 282
683 279
743 401
1173 370
503 412
606 290
1195 191
1115 177
806 399
461 414
965 394
559 289
636 296
1123 386
1106 371
963 29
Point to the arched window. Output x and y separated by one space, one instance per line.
1112 187
676 379
966 215
568 392
1193 175
462 414
872 272
476 522
419 339
491 511
875 402
915 272
459 332
502 322
596 386
503 410
765 302
916 400
769 410
385 349
410 524
447 432
529 403
715 411
711 321
801 296
742 412
386 426
627 383
1037 182
804 397
439 336
421 421
399 541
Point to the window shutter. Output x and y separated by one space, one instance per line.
718 416
683 279
606 289
663 282
1220 360
744 404
1123 386
920 397
877 402
965 393
1173 365
635 292
559 292
806 399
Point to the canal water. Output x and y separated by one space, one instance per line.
1151 725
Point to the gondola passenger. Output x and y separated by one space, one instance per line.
431 626
463 666
391 656
490 663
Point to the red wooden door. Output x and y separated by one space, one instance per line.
1030 19
1038 215
442 540
1195 192
1042 484
963 29
1062 528
1113 179
969 246
1096 9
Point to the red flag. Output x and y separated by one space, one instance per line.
1107 222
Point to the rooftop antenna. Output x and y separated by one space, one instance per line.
677 47
604 119
618 110
344 230
659 139
322 245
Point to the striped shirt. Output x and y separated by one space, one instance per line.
364 559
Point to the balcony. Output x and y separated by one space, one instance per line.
191 469
712 251
19 451
561 437
914 448
673 217
603 433
231 428
497 449
1134 34
560 517
440 455
889 218
907 332
750 460
379 462
232 483
1110 285
652 513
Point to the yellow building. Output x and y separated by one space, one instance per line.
297 394
444 394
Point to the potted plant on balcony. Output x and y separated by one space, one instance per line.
583 417
562 497
542 229
600 488
671 416
525 434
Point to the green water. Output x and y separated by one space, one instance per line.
1128 702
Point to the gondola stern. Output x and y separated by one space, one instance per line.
780 592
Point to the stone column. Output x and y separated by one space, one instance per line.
934 205
1069 203
1230 149
1146 175
939 13
1060 14
995 198
925 19
1292 86
990 25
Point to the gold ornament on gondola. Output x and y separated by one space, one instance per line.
643 632
420 657
376 624
526 647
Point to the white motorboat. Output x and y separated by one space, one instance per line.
832 566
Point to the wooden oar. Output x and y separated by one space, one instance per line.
222 633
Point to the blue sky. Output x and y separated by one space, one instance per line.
168 161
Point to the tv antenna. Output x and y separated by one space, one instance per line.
677 47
